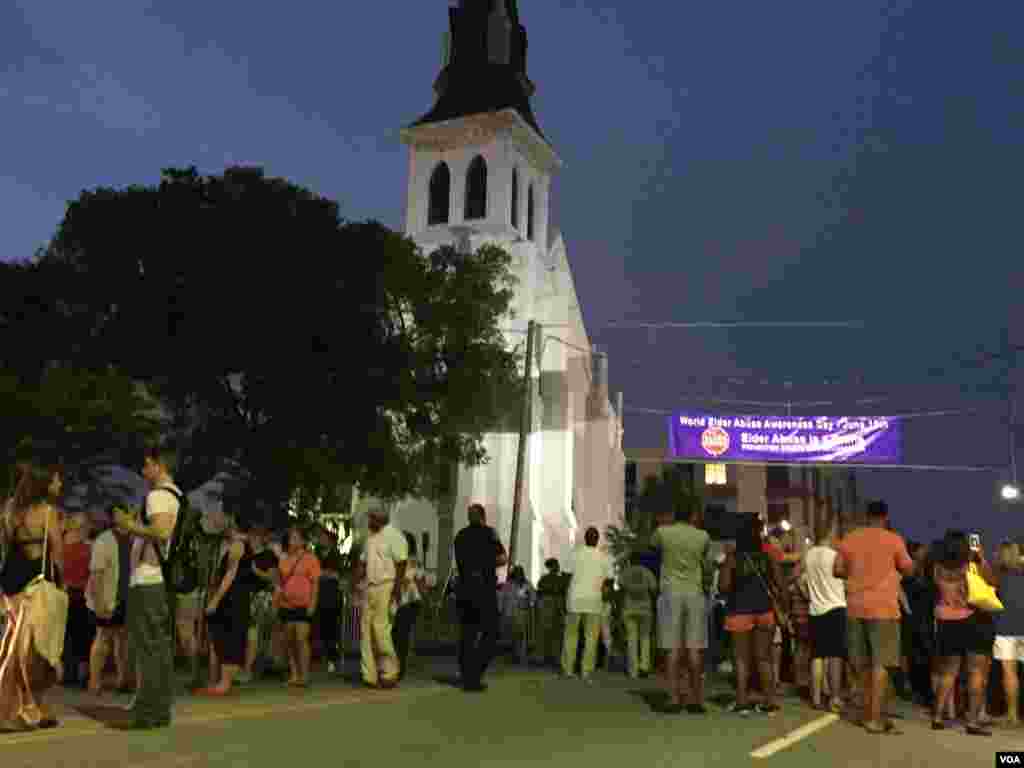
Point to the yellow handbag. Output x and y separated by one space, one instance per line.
981 594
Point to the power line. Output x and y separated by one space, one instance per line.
739 324
910 415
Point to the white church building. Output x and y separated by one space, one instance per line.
480 172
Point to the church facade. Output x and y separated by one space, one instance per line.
480 172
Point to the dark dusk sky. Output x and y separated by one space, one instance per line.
725 161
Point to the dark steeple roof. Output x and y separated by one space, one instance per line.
486 64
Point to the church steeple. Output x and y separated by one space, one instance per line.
484 64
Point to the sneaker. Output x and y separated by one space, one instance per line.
743 711
768 709
332 668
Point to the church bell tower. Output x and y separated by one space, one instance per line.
479 163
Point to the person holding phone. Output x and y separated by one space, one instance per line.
961 631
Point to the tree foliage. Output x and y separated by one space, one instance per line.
667 493
284 344
88 419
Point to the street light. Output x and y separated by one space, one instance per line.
1010 492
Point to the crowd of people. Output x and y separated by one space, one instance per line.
857 616
76 600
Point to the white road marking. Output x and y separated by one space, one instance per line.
792 738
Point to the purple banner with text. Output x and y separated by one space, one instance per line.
786 439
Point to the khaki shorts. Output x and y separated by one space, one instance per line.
873 641
682 621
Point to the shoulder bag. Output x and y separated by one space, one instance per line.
47 609
781 616
980 594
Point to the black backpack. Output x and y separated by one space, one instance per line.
181 566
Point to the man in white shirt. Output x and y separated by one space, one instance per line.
591 571
383 559
148 619
827 620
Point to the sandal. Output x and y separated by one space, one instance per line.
885 729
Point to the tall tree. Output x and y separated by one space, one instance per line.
308 351
90 416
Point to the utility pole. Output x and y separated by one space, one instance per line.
524 433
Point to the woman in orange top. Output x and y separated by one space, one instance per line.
297 598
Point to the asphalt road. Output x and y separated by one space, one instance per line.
528 717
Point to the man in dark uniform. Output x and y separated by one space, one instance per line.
478 555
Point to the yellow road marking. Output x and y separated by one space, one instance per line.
793 737
242 713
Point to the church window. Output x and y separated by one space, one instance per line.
476 189
440 195
515 198
529 213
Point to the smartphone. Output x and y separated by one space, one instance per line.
975 542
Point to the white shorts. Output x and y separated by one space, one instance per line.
1008 648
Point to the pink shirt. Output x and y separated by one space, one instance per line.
952 600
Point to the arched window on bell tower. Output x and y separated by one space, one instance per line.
515 198
476 189
440 195
529 212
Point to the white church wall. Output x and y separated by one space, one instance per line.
501 155
419 516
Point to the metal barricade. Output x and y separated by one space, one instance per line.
437 624
351 616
